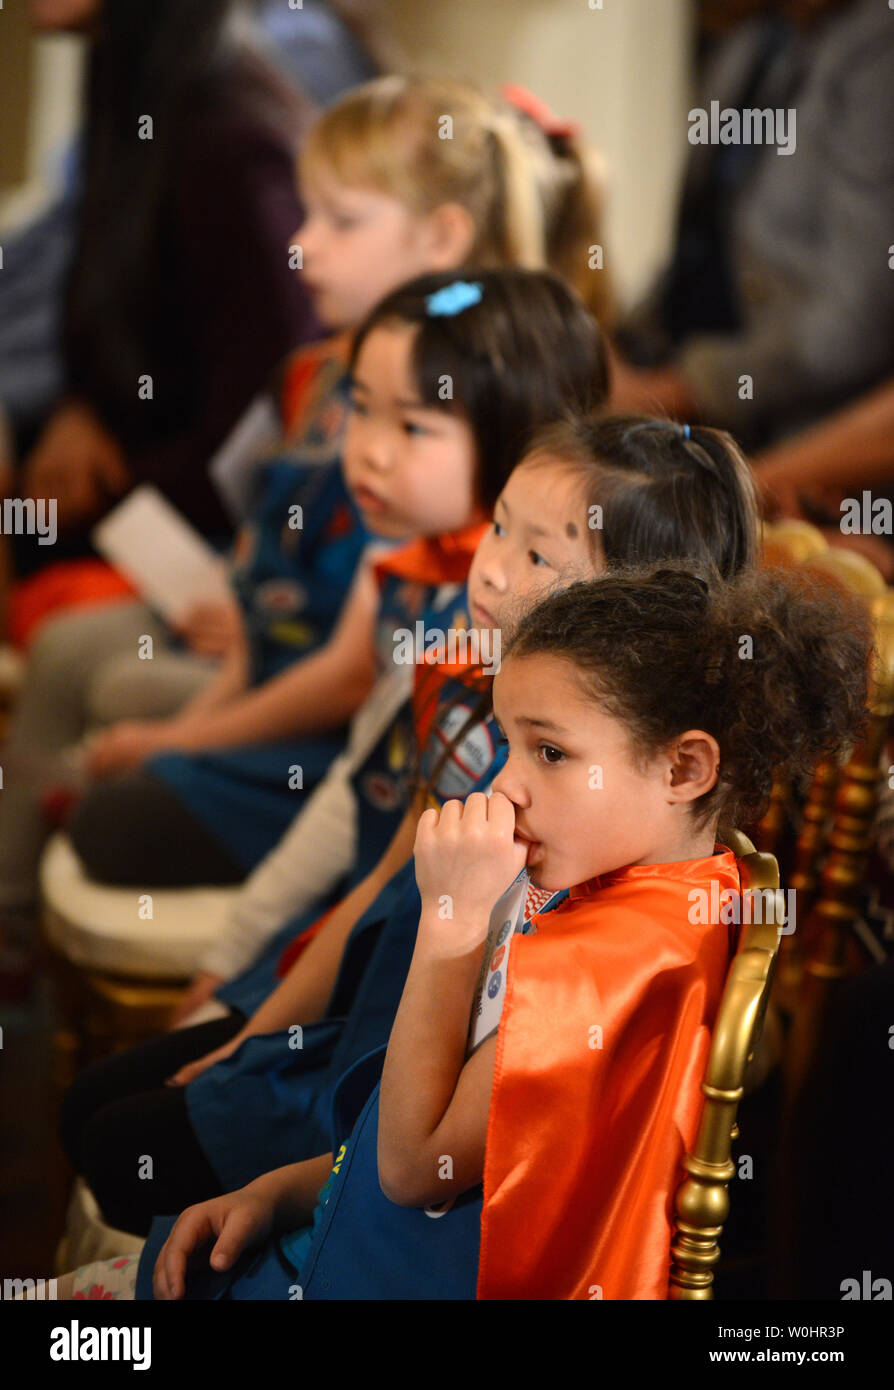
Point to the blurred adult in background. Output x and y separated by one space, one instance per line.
179 299
780 270
324 47
809 474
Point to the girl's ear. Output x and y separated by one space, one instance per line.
452 235
695 764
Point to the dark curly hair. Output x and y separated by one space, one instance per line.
774 665
665 491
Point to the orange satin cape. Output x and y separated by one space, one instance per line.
600 1055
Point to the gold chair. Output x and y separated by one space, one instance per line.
100 1013
791 542
702 1200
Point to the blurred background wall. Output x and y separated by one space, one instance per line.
623 71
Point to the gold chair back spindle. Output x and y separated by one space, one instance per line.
702 1200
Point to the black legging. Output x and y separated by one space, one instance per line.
119 1112
133 830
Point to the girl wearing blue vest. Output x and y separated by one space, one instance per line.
658 495
387 199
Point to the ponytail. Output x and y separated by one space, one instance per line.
787 660
517 235
662 491
570 177
574 225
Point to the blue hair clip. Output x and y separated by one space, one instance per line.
685 431
452 299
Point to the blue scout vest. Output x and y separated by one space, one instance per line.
382 784
361 1245
292 581
295 560
282 1092
365 1247
246 797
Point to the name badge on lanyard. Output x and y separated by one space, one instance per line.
506 919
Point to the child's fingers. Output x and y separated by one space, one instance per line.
236 1232
473 810
191 1070
187 1073
169 1278
426 823
501 813
192 1228
159 1281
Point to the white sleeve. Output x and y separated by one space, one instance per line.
317 850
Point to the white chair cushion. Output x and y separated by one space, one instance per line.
101 928
87 1237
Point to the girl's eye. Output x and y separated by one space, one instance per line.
357 406
413 428
549 754
342 223
499 530
537 559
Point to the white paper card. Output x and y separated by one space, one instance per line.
158 550
233 467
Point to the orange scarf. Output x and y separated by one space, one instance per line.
587 1130
435 559
307 378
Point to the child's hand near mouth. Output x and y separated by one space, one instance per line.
434 1099
466 857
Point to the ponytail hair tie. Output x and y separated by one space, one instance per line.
685 431
530 105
